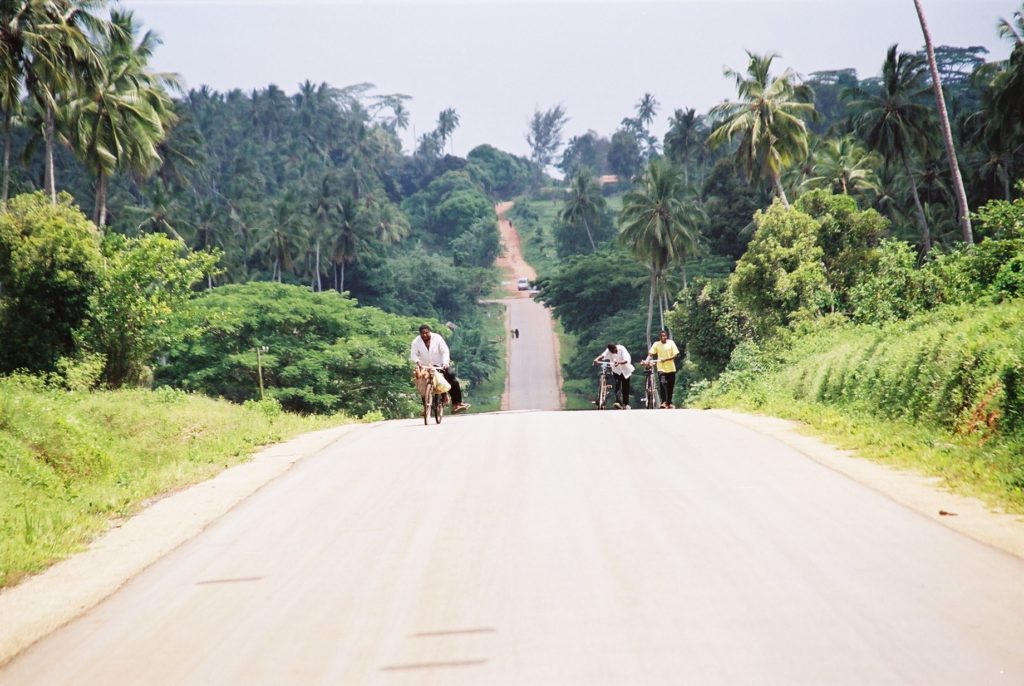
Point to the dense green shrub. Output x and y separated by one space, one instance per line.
781 277
50 265
706 324
324 353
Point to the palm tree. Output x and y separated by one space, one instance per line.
584 204
447 122
894 121
947 133
121 113
49 43
10 103
350 238
646 109
658 225
683 138
844 165
768 118
1003 100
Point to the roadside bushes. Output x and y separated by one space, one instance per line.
323 353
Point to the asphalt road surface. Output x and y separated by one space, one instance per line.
643 547
532 360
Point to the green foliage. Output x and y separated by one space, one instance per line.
847 237
1000 219
781 277
729 204
49 265
589 288
478 246
325 354
895 289
70 462
144 280
957 370
706 322
503 175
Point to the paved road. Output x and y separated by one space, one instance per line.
557 548
533 381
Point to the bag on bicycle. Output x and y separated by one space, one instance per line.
441 384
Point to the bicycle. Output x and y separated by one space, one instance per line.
433 402
604 385
651 397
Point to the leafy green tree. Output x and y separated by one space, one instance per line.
894 121
478 246
504 175
49 267
624 155
589 150
781 277
659 225
729 204
324 352
706 320
144 280
848 238
545 135
768 119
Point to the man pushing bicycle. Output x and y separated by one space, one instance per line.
665 352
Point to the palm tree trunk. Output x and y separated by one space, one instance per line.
341 283
586 225
100 214
49 133
926 236
319 285
650 305
1007 160
777 182
7 155
947 133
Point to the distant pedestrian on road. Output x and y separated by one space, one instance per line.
517 333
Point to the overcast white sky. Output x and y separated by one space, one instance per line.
495 62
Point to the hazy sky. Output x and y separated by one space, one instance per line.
495 62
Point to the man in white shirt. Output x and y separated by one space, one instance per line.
622 369
430 350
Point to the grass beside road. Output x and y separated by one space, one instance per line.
70 463
487 396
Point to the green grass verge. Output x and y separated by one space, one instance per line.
942 393
487 396
72 462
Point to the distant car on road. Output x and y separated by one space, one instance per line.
523 283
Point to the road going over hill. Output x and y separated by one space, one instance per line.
644 547
534 381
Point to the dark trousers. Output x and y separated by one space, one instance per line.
456 392
666 386
621 388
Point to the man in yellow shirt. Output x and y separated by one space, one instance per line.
665 352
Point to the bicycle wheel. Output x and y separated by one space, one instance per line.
438 407
428 402
602 392
651 401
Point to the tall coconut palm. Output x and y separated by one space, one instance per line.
646 110
947 132
447 122
893 121
350 238
49 42
768 118
11 83
121 112
584 204
683 139
658 225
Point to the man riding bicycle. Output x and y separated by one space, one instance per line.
665 352
429 350
622 368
